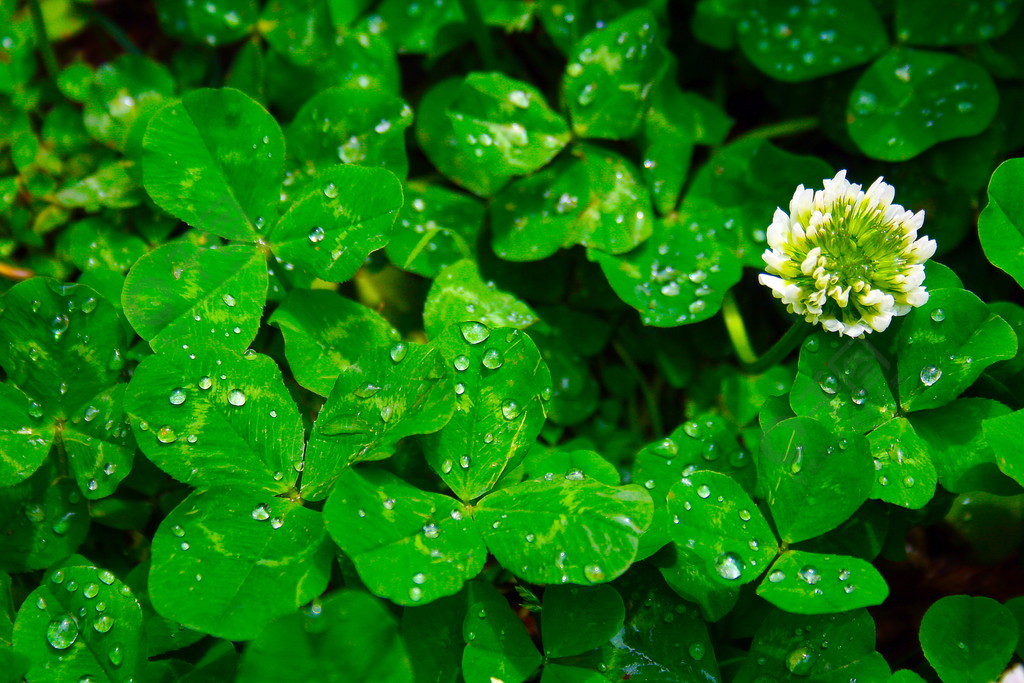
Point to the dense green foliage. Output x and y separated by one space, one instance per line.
364 340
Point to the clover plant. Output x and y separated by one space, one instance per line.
532 340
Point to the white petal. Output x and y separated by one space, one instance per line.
918 297
854 331
881 321
776 284
809 263
841 296
778 231
832 325
774 260
881 193
871 297
912 278
921 250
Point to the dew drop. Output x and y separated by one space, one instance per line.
593 573
474 332
829 384
399 351
930 375
166 435
938 315
729 566
510 410
236 397
177 397
493 359
461 363
810 575
800 661
62 633
261 512
103 623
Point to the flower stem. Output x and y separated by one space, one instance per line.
782 128
481 36
749 360
111 29
737 330
45 48
653 414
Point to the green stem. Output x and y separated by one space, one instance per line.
737 330
782 128
649 398
481 36
749 361
111 29
45 49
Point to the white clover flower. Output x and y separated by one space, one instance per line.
845 258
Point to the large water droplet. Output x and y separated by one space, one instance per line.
474 332
810 575
829 384
261 512
593 573
729 566
493 359
930 375
62 632
510 410
399 351
236 397
103 623
800 661
177 397
366 390
166 434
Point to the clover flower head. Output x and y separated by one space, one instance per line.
848 259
